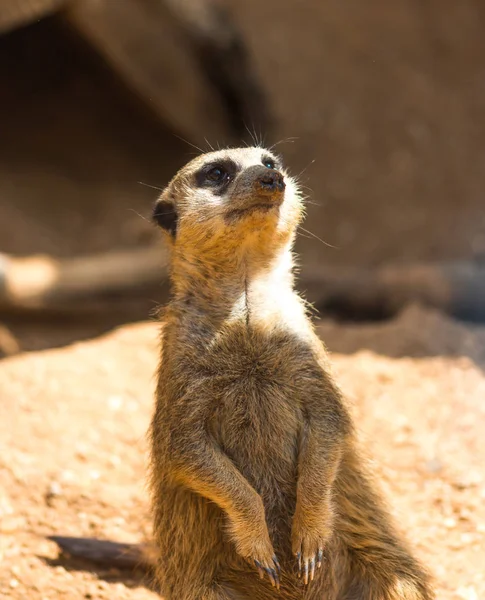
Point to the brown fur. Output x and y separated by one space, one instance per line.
253 451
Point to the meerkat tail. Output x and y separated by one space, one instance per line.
105 552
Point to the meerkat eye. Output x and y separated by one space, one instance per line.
216 174
269 163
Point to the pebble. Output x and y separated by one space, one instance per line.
12 524
15 570
67 476
467 593
5 506
53 491
103 585
115 402
472 479
114 460
467 538
433 466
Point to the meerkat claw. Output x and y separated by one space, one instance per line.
319 558
277 564
273 576
312 569
305 579
260 569
272 573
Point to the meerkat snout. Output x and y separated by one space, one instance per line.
271 182
258 183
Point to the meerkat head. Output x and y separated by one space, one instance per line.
228 200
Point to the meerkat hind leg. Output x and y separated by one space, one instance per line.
399 590
220 592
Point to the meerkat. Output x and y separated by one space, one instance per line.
258 490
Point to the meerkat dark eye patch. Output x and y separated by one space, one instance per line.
165 215
216 175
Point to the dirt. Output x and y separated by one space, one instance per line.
73 451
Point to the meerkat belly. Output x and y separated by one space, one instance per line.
259 427
257 417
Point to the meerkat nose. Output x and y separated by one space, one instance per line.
271 181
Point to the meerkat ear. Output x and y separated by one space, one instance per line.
165 215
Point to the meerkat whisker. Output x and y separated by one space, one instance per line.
189 143
154 187
319 239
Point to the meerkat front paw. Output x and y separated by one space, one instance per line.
309 538
262 556
272 568
254 545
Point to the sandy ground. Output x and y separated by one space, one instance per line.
73 451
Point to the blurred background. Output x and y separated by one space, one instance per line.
379 106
